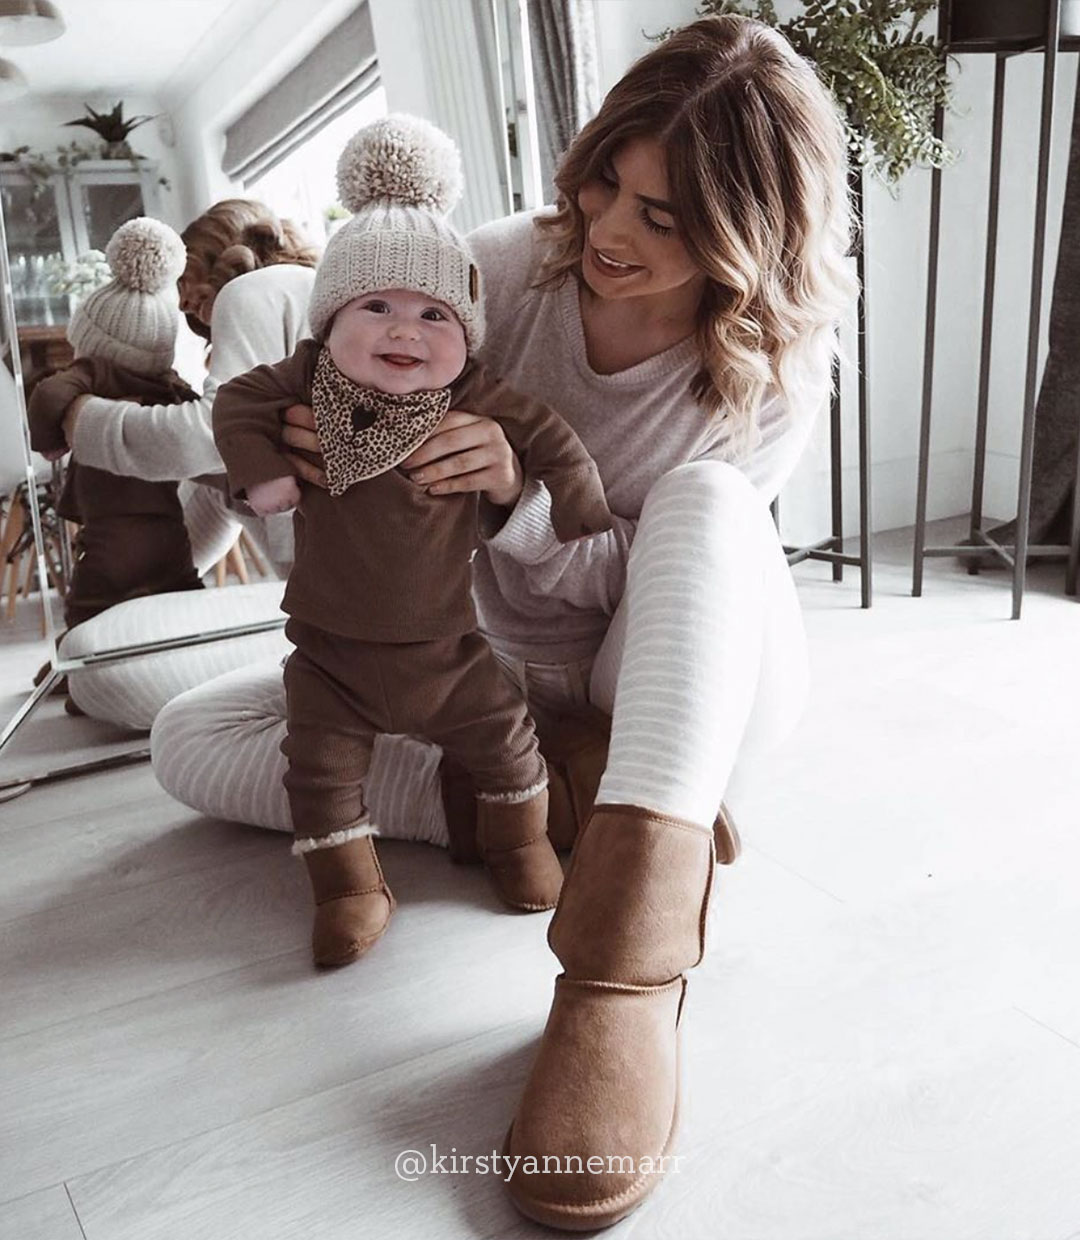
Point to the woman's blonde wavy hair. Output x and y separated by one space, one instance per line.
238 235
757 171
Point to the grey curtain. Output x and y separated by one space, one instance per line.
1057 414
563 36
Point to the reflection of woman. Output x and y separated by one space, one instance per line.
679 310
245 287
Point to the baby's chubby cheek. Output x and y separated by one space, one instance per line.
355 363
447 361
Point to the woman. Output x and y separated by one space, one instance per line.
679 309
245 288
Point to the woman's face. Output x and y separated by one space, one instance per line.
196 296
632 242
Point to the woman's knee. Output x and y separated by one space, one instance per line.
704 521
711 497
710 481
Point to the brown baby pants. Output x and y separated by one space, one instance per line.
127 556
342 692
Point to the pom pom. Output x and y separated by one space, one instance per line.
146 255
400 160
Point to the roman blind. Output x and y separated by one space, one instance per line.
335 75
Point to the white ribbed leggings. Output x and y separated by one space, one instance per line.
703 667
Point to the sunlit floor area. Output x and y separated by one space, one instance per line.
883 1042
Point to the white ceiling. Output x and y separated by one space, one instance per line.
147 47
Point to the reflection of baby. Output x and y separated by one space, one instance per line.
132 539
379 598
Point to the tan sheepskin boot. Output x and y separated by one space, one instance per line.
603 1093
512 840
353 904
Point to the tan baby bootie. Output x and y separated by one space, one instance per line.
353 904
513 842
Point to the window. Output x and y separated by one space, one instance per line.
303 186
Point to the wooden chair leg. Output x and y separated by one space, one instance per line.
7 537
14 525
249 549
237 563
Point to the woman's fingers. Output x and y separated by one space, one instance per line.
462 460
454 438
299 432
467 453
457 431
299 429
479 480
304 469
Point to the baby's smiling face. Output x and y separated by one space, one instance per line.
398 341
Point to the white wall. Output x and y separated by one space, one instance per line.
234 77
429 61
897 225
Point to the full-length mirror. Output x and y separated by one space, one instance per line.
147 577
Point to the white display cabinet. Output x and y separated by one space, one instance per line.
74 211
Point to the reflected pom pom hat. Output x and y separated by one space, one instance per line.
133 319
400 176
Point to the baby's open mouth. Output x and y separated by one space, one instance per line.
400 359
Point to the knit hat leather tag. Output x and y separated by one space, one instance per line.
364 432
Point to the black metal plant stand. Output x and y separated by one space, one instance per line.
831 549
980 544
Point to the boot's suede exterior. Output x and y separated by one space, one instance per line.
575 747
603 1091
513 843
353 904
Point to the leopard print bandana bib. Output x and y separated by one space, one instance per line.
364 432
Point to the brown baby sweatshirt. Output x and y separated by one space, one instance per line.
386 561
90 492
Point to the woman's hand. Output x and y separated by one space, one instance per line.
467 453
299 433
71 415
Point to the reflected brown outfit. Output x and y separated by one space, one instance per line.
132 540
380 595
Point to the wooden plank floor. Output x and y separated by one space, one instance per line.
882 1044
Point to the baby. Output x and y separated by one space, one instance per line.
379 600
132 539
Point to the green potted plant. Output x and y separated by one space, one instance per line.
113 130
887 72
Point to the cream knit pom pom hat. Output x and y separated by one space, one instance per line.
401 176
133 319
